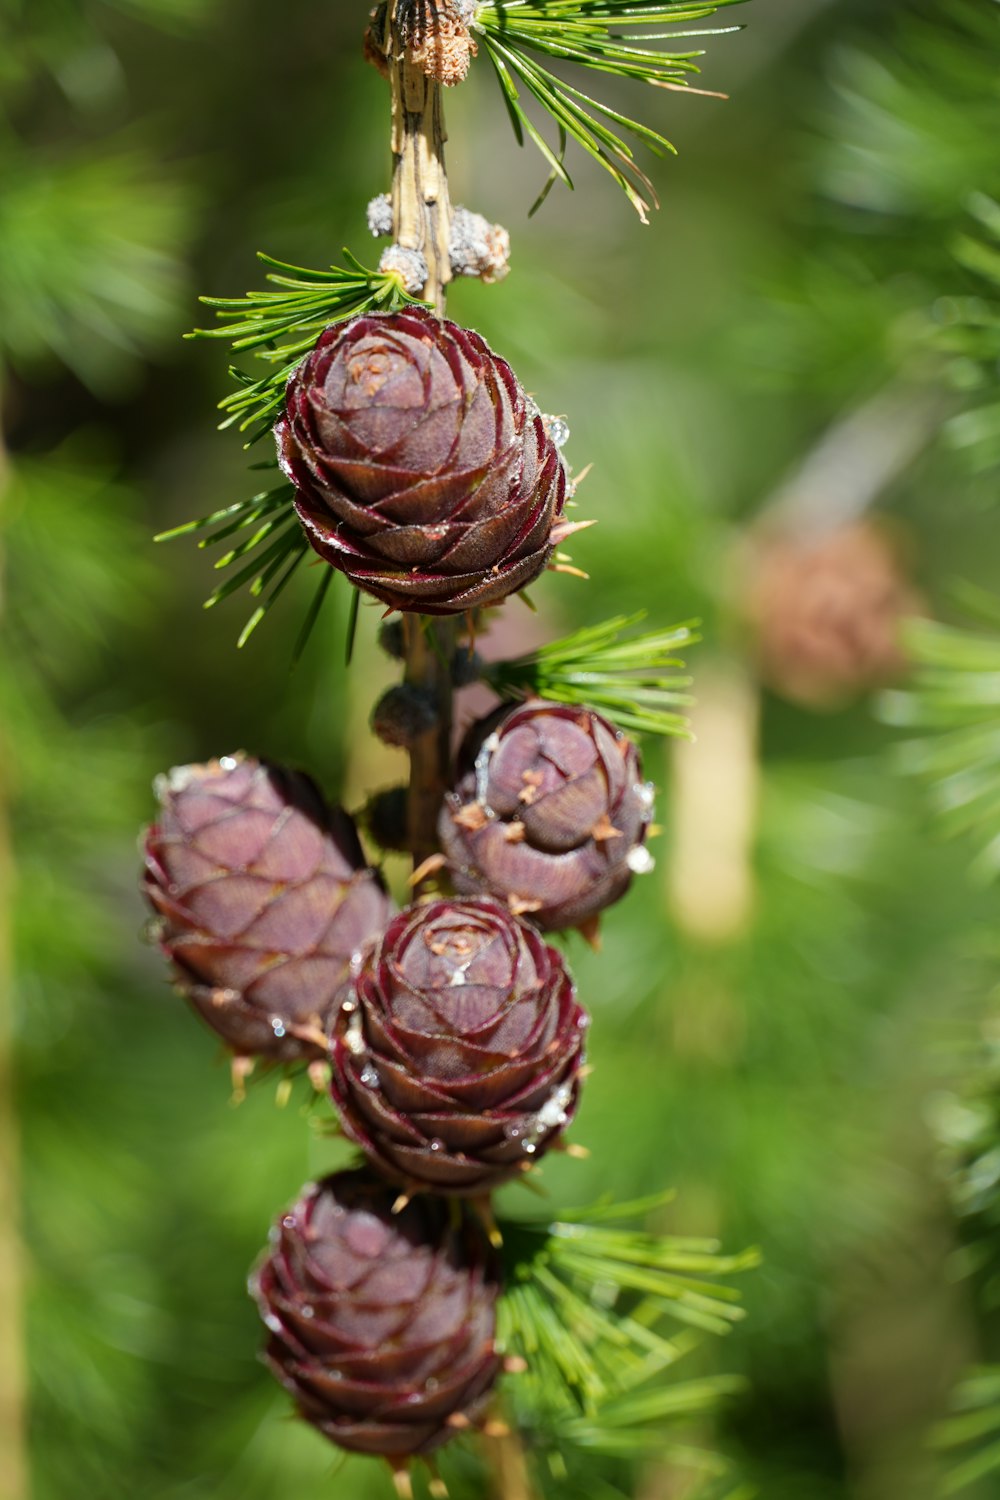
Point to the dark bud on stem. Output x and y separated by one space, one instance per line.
392 639
403 715
467 667
263 896
382 1325
457 1048
421 469
550 815
385 817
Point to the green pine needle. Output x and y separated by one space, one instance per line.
967 330
352 627
271 547
584 1307
313 614
599 35
630 678
955 703
974 1428
280 327
955 699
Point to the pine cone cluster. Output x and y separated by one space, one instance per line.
452 1031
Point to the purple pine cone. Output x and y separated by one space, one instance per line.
263 897
420 469
550 813
382 1324
457 1048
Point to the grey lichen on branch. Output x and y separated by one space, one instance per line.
478 248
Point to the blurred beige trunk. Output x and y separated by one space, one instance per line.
671 1481
508 1468
13 1463
900 1333
713 814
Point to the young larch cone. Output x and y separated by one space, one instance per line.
550 813
263 896
457 1048
421 470
439 41
827 613
382 1324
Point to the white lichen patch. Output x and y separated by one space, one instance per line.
379 216
477 247
409 265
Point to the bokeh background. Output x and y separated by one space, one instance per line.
793 1012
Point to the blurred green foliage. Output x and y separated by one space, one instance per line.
783 1079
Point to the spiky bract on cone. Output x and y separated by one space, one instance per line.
457 1048
382 1324
550 813
263 896
421 469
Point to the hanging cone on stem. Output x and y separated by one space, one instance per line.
421 469
262 896
550 813
382 1322
457 1048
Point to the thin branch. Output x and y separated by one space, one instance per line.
421 218
421 206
